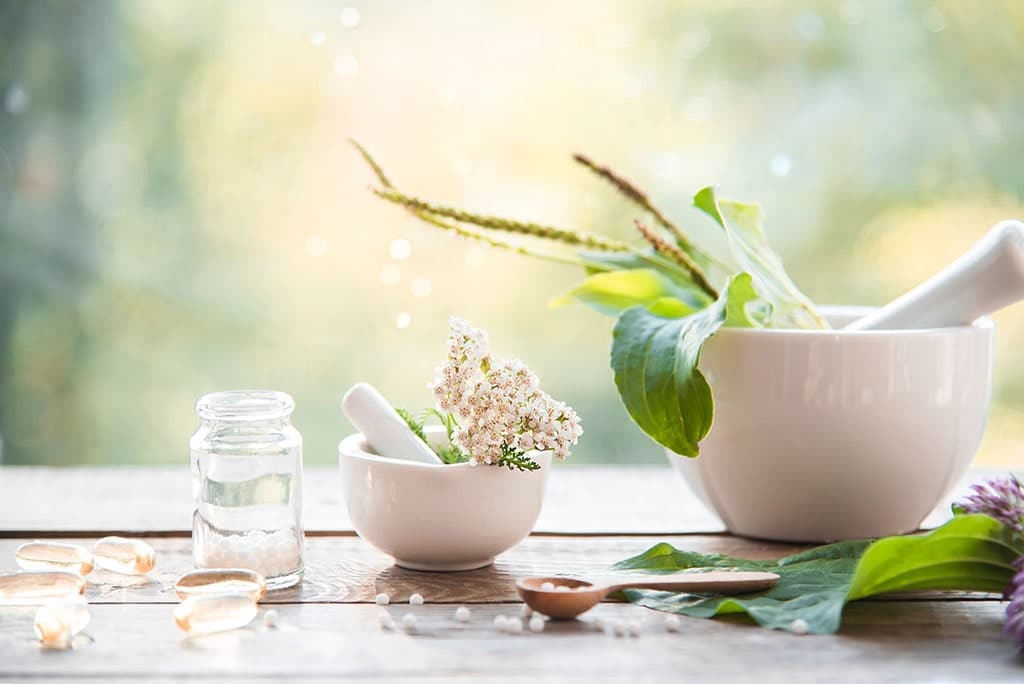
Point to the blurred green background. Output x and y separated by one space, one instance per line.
180 211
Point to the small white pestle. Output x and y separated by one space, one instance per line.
987 278
385 431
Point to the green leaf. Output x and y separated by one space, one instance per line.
612 292
449 452
415 425
655 363
742 224
688 291
516 460
743 307
969 553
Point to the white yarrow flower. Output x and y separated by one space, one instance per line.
500 405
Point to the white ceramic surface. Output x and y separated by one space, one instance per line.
439 517
385 431
827 435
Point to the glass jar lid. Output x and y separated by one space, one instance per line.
245 405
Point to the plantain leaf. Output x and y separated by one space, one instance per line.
969 553
655 363
742 224
603 262
612 292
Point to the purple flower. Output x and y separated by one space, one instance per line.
1002 499
1014 626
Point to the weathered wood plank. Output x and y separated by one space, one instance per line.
157 500
348 570
884 642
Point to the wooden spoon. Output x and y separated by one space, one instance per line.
580 596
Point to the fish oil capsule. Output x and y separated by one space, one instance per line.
41 556
52 632
123 555
35 588
221 581
58 621
214 613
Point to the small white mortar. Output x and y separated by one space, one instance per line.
439 517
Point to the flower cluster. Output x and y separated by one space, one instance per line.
468 360
1002 499
502 412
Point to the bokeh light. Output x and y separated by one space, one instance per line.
181 211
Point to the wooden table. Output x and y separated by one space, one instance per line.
328 627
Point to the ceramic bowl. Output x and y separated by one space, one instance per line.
827 435
439 517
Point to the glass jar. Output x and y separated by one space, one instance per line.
247 485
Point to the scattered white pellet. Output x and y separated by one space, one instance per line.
462 614
514 625
672 623
409 621
547 586
525 611
633 628
562 587
270 619
798 626
536 624
384 620
416 600
599 623
500 623
620 629
382 599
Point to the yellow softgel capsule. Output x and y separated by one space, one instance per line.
124 556
35 588
221 581
39 555
58 621
214 613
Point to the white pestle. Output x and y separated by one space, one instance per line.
987 278
385 431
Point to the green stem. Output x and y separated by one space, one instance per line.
568 237
377 169
382 177
525 250
680 257
634 194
